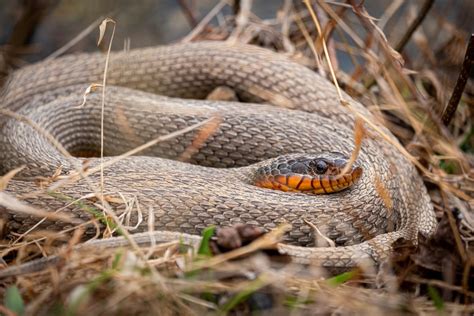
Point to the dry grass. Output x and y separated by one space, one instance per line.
170 279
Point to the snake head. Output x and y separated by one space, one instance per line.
317 174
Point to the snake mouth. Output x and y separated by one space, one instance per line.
314 174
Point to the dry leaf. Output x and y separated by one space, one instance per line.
321 239
102 28
93 87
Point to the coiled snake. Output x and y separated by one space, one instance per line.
307 118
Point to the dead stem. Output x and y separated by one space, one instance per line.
460 83
102 28
77 38
414 25
326 53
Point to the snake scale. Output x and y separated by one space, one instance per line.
285 108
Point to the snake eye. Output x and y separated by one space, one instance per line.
321 166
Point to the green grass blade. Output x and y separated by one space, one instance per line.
14 301
204 247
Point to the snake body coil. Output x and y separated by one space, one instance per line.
306 117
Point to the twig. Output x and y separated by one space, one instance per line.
389 13
236 7
241 19
188 13
204 22
308 39
102 28
76 39
326 53
414 25
454 227
460 83
285 26
439 283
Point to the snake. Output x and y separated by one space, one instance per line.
51 125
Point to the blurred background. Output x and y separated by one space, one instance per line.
31 30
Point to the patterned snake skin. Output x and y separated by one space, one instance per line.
149 94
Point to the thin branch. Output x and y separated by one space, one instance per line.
325 49
414 25
236 7
408 34
77 38
188 13
204 22
460 83
102 28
